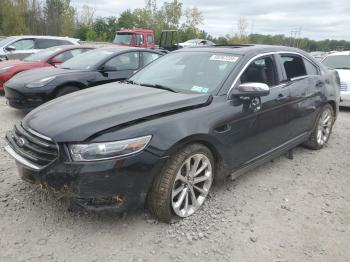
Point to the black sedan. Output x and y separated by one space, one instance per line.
194 115
29 89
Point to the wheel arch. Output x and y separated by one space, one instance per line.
221 168
334 106
70 83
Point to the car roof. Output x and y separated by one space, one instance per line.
243 49
339 53
46 37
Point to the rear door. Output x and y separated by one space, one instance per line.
303 80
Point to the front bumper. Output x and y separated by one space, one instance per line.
18 100
345 98
117 184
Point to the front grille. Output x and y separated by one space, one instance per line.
343 86
33 148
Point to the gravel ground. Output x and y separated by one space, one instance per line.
285 210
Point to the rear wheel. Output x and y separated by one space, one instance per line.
66 90
182 187
322 130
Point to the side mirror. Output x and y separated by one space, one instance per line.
10 48
55 61
251 90
108 68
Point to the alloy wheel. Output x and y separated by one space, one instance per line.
192 184
324 126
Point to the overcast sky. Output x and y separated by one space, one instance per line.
317 19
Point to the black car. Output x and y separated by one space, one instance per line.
32 88
194 115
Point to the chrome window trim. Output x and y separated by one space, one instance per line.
261 55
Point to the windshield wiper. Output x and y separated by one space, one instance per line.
156 86
343 68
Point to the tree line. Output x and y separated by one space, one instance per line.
59 17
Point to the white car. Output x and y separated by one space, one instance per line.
340 61
19 47
196 42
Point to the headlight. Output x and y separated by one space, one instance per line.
108 150
41 82
5 69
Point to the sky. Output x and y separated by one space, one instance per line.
315 19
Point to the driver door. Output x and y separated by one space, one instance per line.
119 68
23 48
268 115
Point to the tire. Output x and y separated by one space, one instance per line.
66 90
322 129
177 181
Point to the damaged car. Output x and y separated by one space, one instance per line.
188 118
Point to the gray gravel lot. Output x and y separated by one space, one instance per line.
286 210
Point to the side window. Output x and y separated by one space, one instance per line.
293 66
24 44
127 61
148 57
69 54
139 39
311 69
45 43
261 70
149 39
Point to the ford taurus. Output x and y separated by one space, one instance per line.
161 138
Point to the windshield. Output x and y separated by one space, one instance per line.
188 72
123 39
43 54
6 40
87 61
337 61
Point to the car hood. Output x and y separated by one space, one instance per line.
40 73
13 63
76 117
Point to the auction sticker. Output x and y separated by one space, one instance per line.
224 58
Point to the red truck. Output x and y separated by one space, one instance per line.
135 37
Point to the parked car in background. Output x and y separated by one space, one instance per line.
196 42
49 57
340 61
318 55
35 87
194 115
19 47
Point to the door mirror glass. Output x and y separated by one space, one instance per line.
10 48
251 90
109 68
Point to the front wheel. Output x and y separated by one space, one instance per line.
183 185
322 130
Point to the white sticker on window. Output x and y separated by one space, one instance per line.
224 58
200 89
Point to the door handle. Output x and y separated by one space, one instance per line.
281 98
